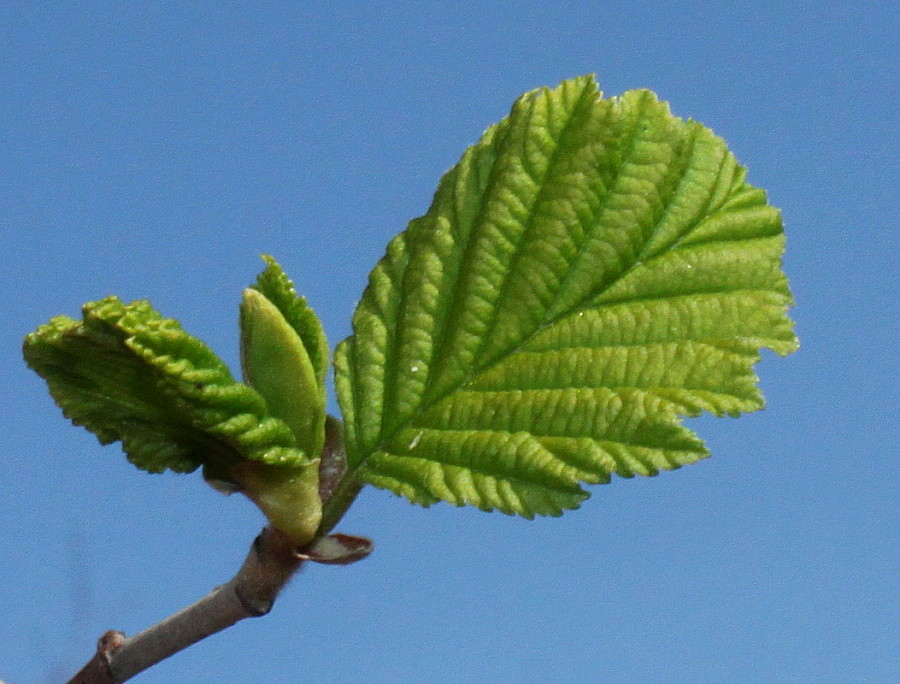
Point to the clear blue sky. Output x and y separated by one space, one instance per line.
156 149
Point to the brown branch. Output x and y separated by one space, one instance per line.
272 561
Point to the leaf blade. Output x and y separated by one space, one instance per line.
127 374
275 285
276 364
590 270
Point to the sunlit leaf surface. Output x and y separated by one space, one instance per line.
588 272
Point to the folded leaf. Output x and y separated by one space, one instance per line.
126 373
278 289
589 271
277 365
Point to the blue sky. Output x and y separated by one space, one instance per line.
154 150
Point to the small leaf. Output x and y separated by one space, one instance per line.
276 364
588 272
278 289
126 373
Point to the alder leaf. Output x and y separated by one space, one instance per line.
126 373
284 355
590 271
279 289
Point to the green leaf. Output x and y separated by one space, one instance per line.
277 365
588 272
278 289
126 373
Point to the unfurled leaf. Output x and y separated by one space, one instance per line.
126 373
588 272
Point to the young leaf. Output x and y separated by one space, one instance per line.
126 373
276 364
278 289
588 272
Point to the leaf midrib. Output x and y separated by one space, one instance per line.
423 407
627 150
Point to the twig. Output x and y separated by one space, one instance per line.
272 561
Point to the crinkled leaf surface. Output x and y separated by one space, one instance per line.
284 355
588 272
126 373
279 289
